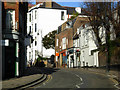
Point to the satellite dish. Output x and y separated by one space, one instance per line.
78 10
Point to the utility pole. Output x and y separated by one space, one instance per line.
0 44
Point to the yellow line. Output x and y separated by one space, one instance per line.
49 78
116 82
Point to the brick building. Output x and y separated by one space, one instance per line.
14 19
64 46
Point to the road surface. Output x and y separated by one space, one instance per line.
75 78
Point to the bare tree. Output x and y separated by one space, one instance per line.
107 15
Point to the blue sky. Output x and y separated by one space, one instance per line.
70 3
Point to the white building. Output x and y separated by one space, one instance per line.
43 19
87 46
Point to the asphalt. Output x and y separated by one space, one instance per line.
76 78
66 78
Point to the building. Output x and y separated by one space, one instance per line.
88 46
13 35
42 19
64 46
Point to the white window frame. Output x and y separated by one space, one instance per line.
57 42
64 43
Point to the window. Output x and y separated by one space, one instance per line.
35 43
10 19
29 55
30 17
32 28
29 29
62 15
57 42
35 14
35 53
64 43
35 27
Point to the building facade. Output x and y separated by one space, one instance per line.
13 35
65 50
42 19
88 47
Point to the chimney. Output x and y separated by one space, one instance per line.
48 4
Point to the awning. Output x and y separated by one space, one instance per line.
63 51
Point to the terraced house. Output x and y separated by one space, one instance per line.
65 50
13 35
43 18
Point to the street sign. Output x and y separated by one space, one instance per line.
5 42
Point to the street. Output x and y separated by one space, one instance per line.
75 78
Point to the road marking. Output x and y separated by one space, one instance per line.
115 82
79 77
117 86
77 86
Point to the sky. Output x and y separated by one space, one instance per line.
69 3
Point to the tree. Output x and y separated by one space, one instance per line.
102 14
74 15
49 40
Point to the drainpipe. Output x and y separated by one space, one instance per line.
17 59
1 53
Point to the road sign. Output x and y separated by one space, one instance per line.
5 42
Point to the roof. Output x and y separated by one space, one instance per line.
70 10
54 6
30 5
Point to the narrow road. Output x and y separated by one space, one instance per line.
75 78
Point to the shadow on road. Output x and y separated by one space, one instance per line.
39 70
48 71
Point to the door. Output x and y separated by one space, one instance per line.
10 60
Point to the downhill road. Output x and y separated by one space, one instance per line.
75 78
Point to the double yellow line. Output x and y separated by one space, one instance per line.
49 78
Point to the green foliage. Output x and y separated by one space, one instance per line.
75 14
49 40
41 58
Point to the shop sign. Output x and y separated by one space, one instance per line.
57 54
4 42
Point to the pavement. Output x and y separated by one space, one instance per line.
32 74
113 75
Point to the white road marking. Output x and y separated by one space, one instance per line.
77 86
79 77
116 86
44 84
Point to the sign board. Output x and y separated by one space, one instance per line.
4 42
27 41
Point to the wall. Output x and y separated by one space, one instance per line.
115 58
47 21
